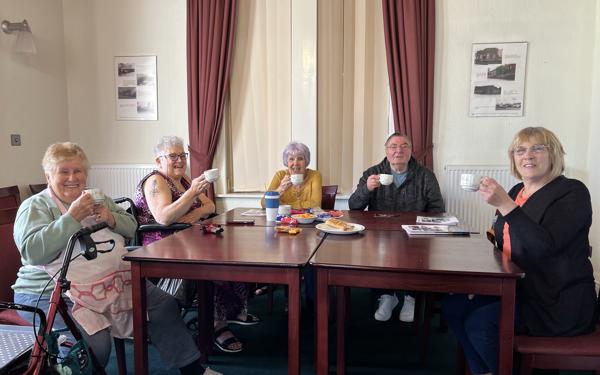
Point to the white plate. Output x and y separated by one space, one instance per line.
327 229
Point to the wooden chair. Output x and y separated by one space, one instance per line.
11 262
561 353
10 197
36 188
328 194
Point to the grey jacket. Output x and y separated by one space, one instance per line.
420 192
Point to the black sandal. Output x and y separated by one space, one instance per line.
226 344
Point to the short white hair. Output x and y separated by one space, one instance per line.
166 142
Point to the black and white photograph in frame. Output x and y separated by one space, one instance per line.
136 89
497 79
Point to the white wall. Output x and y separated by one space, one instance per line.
560 38
33 100
594 145
96 32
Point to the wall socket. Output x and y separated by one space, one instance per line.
15 139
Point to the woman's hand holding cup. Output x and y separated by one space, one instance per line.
199 185
103 214
82 207
494 194
285 183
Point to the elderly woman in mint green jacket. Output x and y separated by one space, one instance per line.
42 228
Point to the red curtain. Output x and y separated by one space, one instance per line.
409 29
210 31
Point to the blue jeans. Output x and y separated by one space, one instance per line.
475 325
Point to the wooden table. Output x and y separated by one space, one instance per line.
390 259
236 214
240 253
384 220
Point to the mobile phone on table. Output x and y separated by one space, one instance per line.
241 221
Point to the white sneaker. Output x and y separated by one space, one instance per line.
209 371
407 313
386 306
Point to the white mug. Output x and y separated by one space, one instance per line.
297 179
285 210
211 175
470 181
385 179
96 194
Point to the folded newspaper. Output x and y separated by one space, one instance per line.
437 220
424 229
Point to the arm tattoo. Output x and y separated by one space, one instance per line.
154 190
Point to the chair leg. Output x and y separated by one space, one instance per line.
121 358
348 296
419 302
270 299
461 362
526 364
428 308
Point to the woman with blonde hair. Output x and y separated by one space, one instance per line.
542 225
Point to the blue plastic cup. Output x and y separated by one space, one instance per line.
271 204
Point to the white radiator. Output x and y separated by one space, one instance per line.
469 207
118 180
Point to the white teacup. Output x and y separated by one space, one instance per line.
97 194
211 175
285 209
297 179
385 179
470 181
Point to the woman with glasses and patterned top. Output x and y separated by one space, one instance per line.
307 194
542 225
168 195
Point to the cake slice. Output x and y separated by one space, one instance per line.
339 224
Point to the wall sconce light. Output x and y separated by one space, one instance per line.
24 42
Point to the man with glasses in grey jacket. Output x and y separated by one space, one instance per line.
412 188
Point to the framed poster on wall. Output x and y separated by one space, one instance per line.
135 84
497 79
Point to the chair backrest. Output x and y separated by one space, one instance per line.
10 197
11 258
36 188
328 194
132 209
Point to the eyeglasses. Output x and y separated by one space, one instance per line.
404 146
174 157
535 149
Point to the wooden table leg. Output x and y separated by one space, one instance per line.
294 321
140 330
205 318
507 327
322 322
341 330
